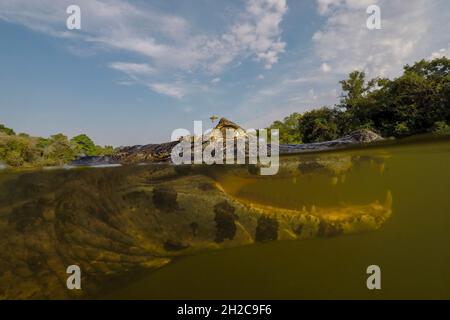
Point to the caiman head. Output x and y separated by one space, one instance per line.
113 222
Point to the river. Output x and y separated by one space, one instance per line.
412 249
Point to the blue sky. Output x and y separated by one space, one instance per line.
137 70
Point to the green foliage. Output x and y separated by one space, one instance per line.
441 128
416 102
401 129
6 130
17 150
289 129
355 89
23 150
58 151
105 151
319 125
83 145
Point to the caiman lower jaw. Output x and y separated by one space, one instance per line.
317 221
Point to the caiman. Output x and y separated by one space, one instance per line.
152 153
114 222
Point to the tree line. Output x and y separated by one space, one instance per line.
416 102
23 150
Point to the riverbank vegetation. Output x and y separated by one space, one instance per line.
23 150
416 102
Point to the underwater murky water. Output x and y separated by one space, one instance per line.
155 232
412 248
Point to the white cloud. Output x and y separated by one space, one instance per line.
133 68
168 41
325 67
171 44
168 90
260 31
125 83
342 44
215 80
441 53
408 30
325 6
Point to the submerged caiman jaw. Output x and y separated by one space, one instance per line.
317 221
115 220
313 195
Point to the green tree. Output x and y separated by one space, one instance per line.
416 102
289 129
59 150
319 125
105 151
18 150
357 100
6 130
355 89
23 150
441 128
417 99
83 145
401 129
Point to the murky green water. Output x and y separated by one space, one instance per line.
165 232
412 248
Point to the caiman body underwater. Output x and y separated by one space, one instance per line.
114 221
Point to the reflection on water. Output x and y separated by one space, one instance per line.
126 226
311 180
